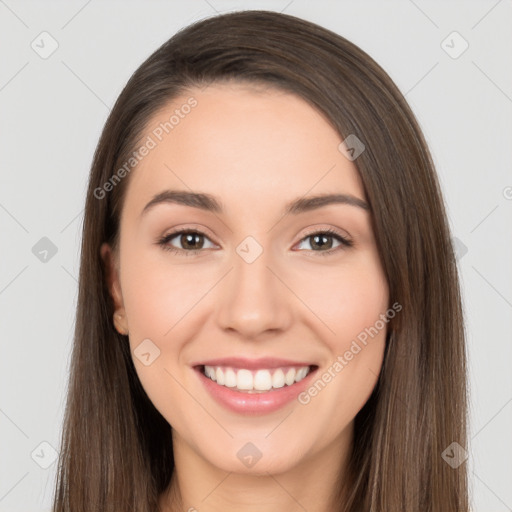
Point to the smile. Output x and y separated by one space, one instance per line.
255 381
254 387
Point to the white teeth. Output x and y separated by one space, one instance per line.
278 379
262 380
301 374
230 378
259 380
210 372
290 377
244 379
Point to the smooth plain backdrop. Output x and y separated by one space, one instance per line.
63 64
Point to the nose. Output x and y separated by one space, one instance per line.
253 299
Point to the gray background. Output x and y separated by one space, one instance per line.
52 111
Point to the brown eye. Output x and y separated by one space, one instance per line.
190 241
322 241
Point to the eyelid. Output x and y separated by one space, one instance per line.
195 228
327 229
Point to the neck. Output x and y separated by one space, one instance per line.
312 485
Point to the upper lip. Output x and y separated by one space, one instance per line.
253 364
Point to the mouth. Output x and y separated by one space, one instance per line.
256 380
254 387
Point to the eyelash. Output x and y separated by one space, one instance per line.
163 242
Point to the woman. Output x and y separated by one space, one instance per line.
269 314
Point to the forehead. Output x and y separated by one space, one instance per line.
247 145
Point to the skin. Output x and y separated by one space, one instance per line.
255 149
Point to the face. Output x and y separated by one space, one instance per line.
250 293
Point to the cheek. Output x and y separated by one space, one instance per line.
352 306
349 300
159 298
157 294
346 298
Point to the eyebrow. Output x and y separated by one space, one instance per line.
209 203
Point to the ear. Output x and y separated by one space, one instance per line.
111 266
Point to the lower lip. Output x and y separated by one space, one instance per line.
254 403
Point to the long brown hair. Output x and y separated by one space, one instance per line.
116 453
